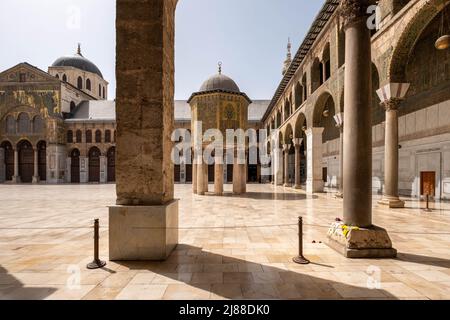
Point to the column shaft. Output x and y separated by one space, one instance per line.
341 163
297 167
35 166
16 178
286 149
194 178
357 124
218 177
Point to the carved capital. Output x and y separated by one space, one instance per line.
391 104
353 11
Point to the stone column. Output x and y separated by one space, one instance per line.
68 170
366 241
286 149
297 145
390 197
314 182
194 178
340 193
84 169
278 174
218 176
202 184
16 177
103 169
237 180
36 167
144 224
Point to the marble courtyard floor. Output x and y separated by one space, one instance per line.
231 247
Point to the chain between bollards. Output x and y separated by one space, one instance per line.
300 259
97 263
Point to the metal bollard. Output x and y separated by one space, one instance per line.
97 263
427 209
300 259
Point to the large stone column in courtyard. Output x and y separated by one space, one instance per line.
16 178
356 237
144 223
391 97
314 182
218 175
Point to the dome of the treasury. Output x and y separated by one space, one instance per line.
77 61
220 82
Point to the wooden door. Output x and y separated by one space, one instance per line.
211 173
94 165
26 162
75 166
428 183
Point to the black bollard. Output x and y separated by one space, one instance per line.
428 204
97 263
300 259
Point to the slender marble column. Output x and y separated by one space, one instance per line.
297 145
286 149
36 168
390 197
357 117
16 177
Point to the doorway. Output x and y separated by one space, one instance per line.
75 166
26 161
428 183
111 158
94 165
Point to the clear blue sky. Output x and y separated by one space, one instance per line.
248 36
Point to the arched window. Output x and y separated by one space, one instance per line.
89 136
70 136
88 84
38 125
24 123
108 136
98 136
57 76
10 125
78 136
64 78
72 106
80 83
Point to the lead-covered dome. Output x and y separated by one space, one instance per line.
220 82
77 61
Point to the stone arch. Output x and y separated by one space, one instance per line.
10 124
326 63
38 125
23 123
323 117
409 36
315 75
288 134
319 107
278 119
287 109
298 95
300 125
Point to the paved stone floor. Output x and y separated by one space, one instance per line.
231 247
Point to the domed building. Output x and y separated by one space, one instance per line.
56 126
81 73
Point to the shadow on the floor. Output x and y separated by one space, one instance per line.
430 261
12 289
233 278
271 196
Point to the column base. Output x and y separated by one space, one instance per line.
392 202
143 233
297 186
15 179
339 195
36 179
287 185
361 243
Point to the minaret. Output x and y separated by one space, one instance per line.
288 60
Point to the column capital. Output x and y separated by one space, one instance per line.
353 11
391 104
286 147
297 142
